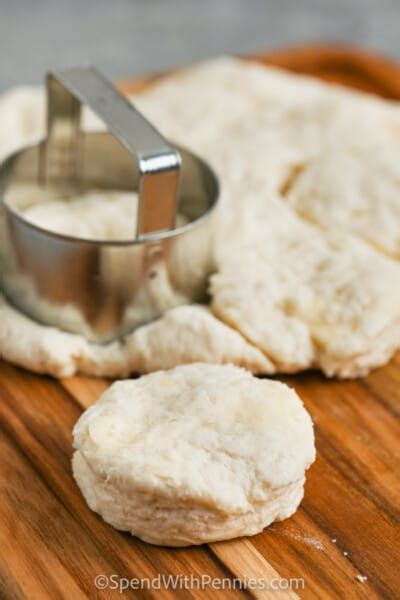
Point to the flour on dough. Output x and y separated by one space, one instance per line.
197 454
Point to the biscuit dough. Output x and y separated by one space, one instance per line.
185 334
308 230
361 177
305 298
197 454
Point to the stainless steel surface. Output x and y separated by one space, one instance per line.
158 162
103 289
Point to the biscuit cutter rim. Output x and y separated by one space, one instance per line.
156 158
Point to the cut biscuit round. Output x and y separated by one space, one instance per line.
196 454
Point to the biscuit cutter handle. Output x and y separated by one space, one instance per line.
158 162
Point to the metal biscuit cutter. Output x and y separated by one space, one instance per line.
103 289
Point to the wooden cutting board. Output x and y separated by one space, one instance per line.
53 546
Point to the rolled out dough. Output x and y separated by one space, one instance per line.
308 230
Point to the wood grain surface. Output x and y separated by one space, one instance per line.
53 546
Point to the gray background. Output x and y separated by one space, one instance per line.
130 37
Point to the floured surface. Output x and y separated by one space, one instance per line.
290 152
200 453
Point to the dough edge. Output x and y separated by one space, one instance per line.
168 526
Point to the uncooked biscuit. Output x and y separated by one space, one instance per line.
197 454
